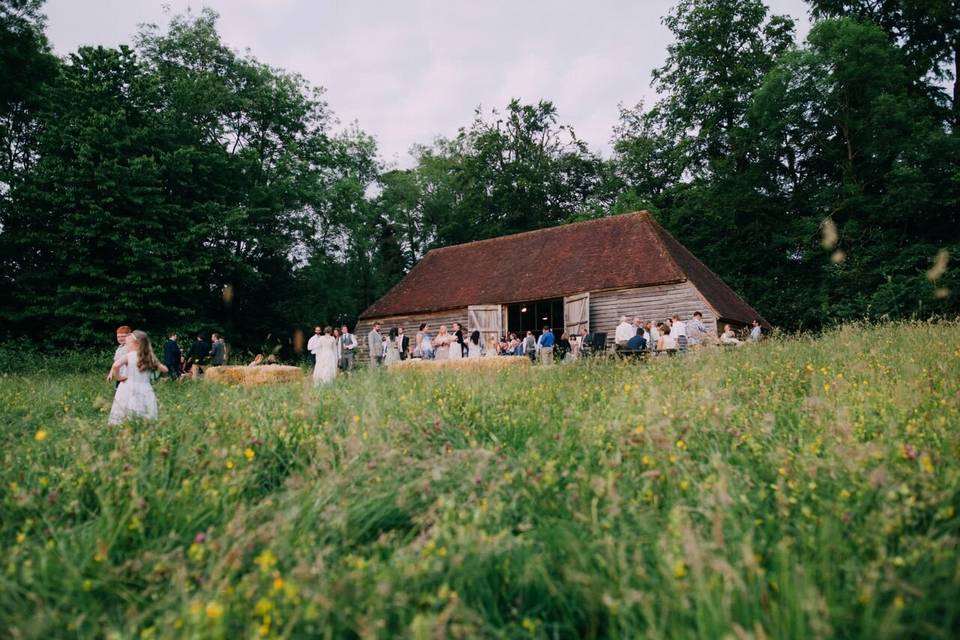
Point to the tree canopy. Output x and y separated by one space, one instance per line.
176 183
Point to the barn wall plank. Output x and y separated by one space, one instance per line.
655 303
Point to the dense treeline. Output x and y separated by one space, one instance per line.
177 183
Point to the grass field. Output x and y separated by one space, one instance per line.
802 488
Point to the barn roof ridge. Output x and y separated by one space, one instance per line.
643 214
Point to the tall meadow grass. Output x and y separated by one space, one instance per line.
800 488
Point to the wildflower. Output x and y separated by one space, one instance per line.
826 387
229 464
87 585
844 494
679 569
926 463
356 419
40 435
684 485
266 560
21 538
214 610
898 602
529 625
681 444
646 461
277 583
263 607
249 454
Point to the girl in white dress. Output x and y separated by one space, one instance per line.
134 397
326 353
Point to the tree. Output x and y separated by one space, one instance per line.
846 140
26 65
85 236
927 31
722 50
179 185
517 171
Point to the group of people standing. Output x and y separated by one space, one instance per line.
675 334
334 350
202 354
445 345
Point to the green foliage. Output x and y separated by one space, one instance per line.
173 184
757 148
798 488
180 184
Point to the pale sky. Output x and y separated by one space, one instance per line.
407 72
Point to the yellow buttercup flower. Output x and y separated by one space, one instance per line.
214 610
679 569
40 435
249 454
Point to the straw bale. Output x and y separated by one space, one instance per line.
490 362
263 374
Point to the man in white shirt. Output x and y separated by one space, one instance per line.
120 353
757 332
348 344
624 332
697 331
313 345
375 344
678 329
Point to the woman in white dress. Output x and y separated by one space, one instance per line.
474 350
441 344
134 397
391 353
326 352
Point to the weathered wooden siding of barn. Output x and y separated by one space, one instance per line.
410 324
656 303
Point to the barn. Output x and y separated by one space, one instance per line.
575 276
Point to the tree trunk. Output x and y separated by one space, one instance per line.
956 84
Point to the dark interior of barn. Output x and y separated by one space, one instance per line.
534 316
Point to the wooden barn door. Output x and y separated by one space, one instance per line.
488 320
576 314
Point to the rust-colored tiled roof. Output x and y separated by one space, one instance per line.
629 250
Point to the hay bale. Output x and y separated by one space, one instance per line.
262 374
487 363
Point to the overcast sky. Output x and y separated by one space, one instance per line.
409 71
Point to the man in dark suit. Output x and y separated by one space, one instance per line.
171 356
197 358
404 343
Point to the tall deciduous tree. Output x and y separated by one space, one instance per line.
848 142
927 31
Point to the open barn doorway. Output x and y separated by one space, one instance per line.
534 316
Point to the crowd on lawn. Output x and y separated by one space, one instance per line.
335 350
